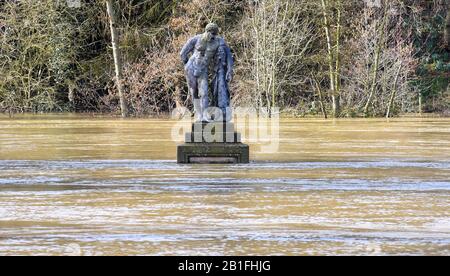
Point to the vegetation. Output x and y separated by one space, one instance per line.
329 57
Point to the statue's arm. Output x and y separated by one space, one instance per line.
188 48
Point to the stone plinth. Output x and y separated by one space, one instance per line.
213 143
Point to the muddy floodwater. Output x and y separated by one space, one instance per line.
82 185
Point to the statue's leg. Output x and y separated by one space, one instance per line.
203 93
193 90
198 110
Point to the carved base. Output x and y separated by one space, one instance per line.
213 143
213 153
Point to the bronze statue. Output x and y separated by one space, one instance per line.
209 51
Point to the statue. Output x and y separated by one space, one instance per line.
208 55
209 51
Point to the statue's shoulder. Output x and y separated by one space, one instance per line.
222 42
195 38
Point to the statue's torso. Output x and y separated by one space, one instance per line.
204 54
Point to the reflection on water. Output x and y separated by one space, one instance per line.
93 186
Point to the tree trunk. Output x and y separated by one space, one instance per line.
337 72
329 47
420 103
319 91
380 42
447 25
333 60
394 91
117 56
373 86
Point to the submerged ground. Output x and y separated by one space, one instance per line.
93 186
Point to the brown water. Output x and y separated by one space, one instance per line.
99 186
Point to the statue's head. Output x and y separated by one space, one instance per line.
211 31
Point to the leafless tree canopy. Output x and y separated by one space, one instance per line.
320 57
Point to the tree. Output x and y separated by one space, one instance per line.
380 42
280 38
447 27
117 56
382 63
333 51
37 55
307 56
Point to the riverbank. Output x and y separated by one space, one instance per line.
282 114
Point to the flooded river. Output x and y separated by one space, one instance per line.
81 185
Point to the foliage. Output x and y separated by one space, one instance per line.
55 57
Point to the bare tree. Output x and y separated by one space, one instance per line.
333 50
379 44
37 55
381 65
447 27
394 91
117 56
280 40
315 83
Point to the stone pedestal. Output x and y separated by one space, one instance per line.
213 143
